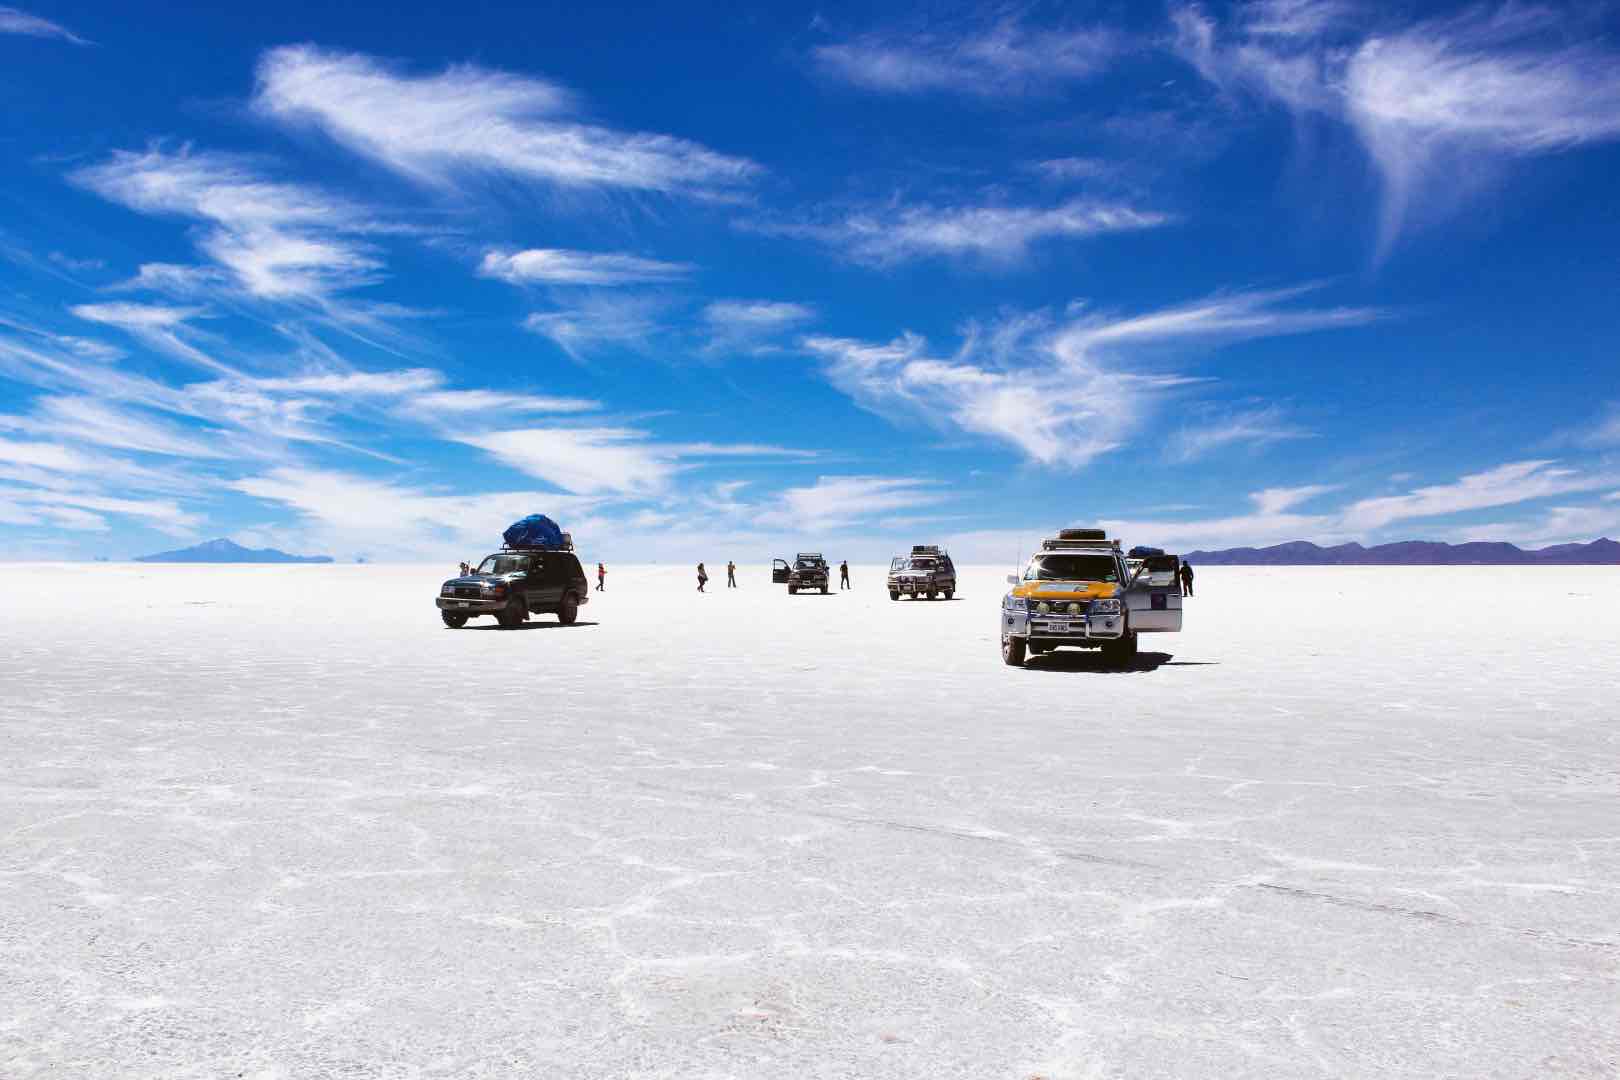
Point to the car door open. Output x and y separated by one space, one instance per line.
1154 595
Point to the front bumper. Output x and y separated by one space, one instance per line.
1058 629
909 586
464 606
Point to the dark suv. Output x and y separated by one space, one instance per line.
513 584
809 571
927 571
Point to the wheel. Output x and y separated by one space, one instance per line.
824 590
793 590
454 622
893 595
1037 650
569 611
514 614
1012 651
932 594
1121 652
949 593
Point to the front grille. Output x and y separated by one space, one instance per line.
468 592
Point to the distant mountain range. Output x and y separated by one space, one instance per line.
225 551
1603 552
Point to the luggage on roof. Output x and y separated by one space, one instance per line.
1082 534
1142 551
536 531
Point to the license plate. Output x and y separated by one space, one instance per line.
459 603
1058 627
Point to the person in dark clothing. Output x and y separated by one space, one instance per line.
1186 575
703 577
843 575
601 578
731 574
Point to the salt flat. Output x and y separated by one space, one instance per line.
279 822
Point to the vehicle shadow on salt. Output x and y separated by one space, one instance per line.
1089 661
580 625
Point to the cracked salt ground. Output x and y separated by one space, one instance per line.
747 834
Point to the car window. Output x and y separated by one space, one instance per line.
1062 566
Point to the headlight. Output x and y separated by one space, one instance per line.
1043 607
447 590
1105 607
1074 608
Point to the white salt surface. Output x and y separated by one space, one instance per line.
279 822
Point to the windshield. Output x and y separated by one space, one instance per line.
920 564
810 564
1063 567
503 564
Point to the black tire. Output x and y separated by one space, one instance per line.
932 594
454 622
793 590
949 593
1037 650
893 595
1012 651
514 614
568 611
824 590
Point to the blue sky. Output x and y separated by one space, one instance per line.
351 279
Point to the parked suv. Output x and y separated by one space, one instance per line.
513 584
809 571
927 571
1080 592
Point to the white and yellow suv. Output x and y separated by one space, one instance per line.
1079 592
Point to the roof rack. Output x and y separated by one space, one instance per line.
1062 543
925 549
567 545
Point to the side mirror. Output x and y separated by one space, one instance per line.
1012 579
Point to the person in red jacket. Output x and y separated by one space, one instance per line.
601 577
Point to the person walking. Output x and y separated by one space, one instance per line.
843 575
703 577
1186 576
731 574
601 578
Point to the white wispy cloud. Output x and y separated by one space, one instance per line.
752 326
984 59
835 501
157 326
558 266
98 422
1063 393
458 403
1243 427
468 119
1505 485
277 240
596 321
1435 104
339 511
888 235
13 21
606 460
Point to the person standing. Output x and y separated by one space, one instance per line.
731 574
465 569
601 578
1186 575
843 575
703 577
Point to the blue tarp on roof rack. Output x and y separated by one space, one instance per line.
534 531
1142 551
